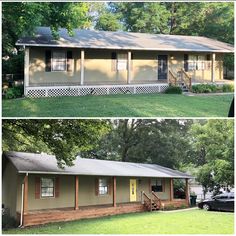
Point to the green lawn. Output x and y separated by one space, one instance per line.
187 222
144 105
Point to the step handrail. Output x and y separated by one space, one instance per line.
189 79
148 201
157 199
174 77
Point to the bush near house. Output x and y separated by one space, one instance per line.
212 88
14 92
173 90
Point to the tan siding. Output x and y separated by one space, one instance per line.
39 76
87 192
65 199
98 68
144 67
9 188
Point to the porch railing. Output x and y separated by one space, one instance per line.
182 79
187 80
156 200
151 203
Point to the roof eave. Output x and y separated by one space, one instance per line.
122 48
74 173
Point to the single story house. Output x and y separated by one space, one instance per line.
103 62
36 191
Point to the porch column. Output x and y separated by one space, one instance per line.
26 70
213 58
171 189
82 67
129 68
187 191
114 191
25 196
76 192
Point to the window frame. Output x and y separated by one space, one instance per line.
197 63
162 181
101 185
54 187
54 59
122 58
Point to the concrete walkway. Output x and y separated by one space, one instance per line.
180 210
206 94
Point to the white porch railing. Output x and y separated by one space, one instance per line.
55 91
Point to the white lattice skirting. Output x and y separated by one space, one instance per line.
56 91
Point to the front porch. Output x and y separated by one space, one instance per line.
138 200
38 217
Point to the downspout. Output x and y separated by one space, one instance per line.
22 204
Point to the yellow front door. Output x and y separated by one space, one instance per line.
132 190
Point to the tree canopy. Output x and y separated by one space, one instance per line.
203 147
214 20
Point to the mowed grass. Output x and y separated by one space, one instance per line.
185 222
144 105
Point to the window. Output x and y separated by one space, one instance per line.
47 187
58 61
103 186
157 185
201 62
196 62
192 64
122 61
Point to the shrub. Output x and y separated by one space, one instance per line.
228 88
14 92
173 90
204 88
8 222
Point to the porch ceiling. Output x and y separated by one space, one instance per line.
124 40
47 164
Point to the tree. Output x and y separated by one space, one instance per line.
147 141
22 18
63 138
213 143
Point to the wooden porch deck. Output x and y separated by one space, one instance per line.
38 217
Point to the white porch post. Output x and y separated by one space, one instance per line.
129 68
26 70
213 58
82 67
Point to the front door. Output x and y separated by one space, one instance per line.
162 67
132 190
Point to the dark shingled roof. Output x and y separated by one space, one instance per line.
43 163
124 40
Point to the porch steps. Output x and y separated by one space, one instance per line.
155 207
183 87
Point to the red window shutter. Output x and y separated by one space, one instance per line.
110 186
96 186
37 187
57 187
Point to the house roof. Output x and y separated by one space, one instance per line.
47 164
124 40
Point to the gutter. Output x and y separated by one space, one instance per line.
124 48
100 174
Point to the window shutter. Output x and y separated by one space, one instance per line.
37 187
96 186
69 61
113 61
186 62
48 57
132 57
57 187
110 186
